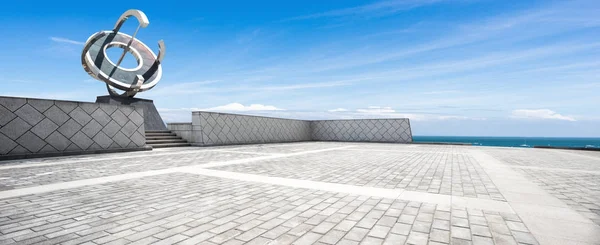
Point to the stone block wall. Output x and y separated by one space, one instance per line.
211 128
183 130
36 126
362 130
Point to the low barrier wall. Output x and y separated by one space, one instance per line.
37 127
362 130
183 130
212 128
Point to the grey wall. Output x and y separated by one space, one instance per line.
183 130
362 130
152 120
210 128
51 126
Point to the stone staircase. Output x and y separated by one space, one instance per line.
162 139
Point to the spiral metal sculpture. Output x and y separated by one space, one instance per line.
132 81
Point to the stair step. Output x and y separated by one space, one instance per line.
170 145
162 137
158 131
160 134
152 142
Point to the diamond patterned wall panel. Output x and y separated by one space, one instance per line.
362 130
226 129
210 128
30 126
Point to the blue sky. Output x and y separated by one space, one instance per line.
462 67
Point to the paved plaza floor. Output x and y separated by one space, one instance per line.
305 193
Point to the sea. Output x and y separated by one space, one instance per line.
513 141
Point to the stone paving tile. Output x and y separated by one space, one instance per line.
192 209
440 173
408 147
282 148
595 154
21 162
255 148
34 176
527 157
581 191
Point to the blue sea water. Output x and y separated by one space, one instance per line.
513 141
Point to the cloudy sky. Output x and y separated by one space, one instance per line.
454 67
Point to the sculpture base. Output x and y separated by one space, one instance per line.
152 120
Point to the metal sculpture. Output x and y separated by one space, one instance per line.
141 78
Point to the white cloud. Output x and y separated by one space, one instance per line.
228 107
460 118
376 110
181 88
178 109
247 37
380 8
66 40
17 81
441 92
306 86
389 112
190 88
185 114
507 29
240 107
371 112
540 114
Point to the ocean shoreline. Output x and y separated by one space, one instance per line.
521 142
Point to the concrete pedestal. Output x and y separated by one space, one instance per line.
152 120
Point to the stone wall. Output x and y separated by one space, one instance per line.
183 130
362 130
37 126
210 128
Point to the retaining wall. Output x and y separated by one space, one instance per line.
33 127
183 130
212 128
362 130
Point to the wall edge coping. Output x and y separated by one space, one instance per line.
227 113
72 101
355 119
